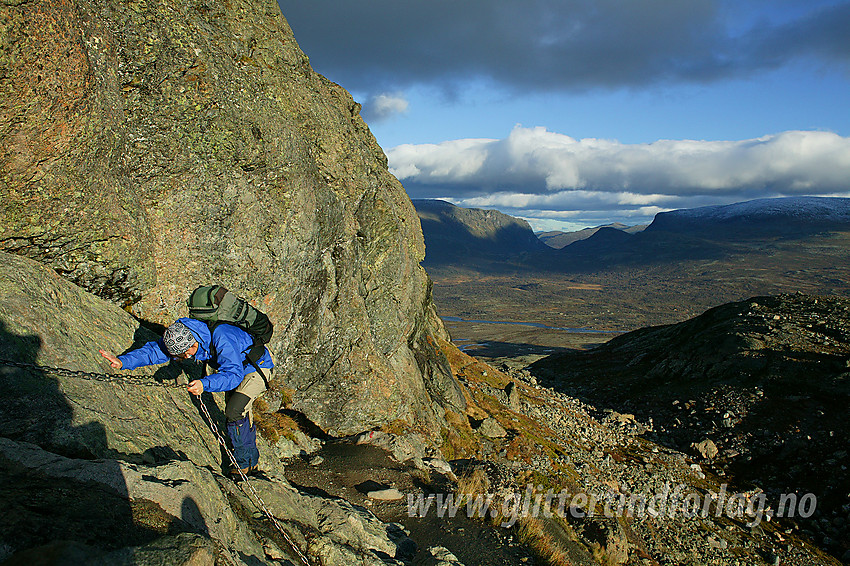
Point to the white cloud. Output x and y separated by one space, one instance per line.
456 160
385 105
535 169
542 162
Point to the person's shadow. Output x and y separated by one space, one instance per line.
42 505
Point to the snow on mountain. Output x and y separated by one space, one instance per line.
795 211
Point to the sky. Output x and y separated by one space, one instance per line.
577 113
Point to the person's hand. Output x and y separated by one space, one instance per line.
196 387
113 361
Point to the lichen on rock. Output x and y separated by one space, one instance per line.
150 147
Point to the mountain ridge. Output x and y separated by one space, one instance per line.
558 239
457 234
779 215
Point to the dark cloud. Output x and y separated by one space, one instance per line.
823 34
550 44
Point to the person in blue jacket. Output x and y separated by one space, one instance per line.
224 349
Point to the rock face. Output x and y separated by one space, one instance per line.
128 470
150 147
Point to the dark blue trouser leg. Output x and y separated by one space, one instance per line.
237 412
244 439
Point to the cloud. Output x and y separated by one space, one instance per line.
561 44
384 106
538 161
535 172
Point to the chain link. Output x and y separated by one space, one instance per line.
143 380
251 493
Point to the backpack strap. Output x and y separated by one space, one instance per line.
219 295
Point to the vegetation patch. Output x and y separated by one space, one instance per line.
459 440
274 426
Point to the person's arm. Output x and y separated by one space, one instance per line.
152 353
230 373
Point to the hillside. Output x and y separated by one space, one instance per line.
764 380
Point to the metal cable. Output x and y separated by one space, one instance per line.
90 375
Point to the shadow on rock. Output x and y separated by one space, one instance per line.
65 505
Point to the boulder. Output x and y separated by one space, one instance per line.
707 448
47 322
512 391
442 556
389 494
185 549
402 447
491 428
114 505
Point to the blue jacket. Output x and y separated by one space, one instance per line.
231 346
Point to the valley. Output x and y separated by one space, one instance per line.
729 345
627 296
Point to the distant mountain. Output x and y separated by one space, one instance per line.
603 239
712 232
557 239
761 217
456 235
493 241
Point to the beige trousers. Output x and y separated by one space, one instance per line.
238 402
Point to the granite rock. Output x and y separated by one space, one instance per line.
150 147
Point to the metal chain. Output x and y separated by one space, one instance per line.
149 381
143 380
257 500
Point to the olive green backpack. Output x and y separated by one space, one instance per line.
216 305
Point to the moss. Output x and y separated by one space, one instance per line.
397 427
459 440
149 515
274 426
286 395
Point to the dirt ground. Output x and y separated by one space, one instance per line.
349 470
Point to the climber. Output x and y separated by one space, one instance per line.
224 351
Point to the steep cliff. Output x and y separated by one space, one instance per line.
148 146
457 236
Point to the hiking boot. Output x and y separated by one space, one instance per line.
249 471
